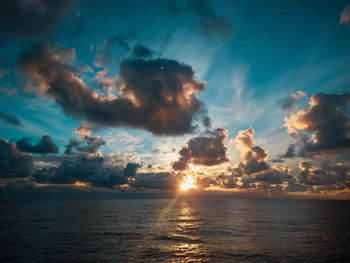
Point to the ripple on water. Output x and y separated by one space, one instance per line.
234 230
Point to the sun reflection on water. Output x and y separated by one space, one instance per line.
174 236
188 245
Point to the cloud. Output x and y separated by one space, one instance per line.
103 52
210 22
278 160
328 174
245 139
32 19
44 65
254 160
90 169
17 184
254 166
84 130
155 95
290 153
14 163
88 143
107 85
226 181
125 48
157 181
323 127
253 157
271 176
10 119
289 103
104 171
100 171
45 145
345 15
142 52
252 172
130 169
205 182
204 150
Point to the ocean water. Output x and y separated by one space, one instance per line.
163 230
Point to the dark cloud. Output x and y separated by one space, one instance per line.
205 182
290 102
90 144
10 119
271 176
278 160
210 23
45 145
17 184
204 150
206 122
73 144
100 171
14 163
226 181
32 19
156 95
130 169
109 182
158 181
323 127
328 174
94 170
290 153
184 159
141 51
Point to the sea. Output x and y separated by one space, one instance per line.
175 230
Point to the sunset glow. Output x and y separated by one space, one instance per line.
188 182
174 131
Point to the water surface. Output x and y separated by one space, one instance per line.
229 230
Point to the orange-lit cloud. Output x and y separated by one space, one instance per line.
157 95
345 15
323 126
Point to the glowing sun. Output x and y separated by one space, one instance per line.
188 182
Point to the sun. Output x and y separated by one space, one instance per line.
188 182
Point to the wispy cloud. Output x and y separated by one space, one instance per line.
10 119
345 15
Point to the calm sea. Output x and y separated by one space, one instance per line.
234 230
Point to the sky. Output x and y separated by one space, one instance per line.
236 97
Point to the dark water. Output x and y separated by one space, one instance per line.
235 230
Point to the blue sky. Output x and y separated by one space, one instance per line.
253 55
